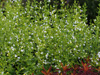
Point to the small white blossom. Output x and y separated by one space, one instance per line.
41 52
81 10
59 70
76 45
10 38
83 44
66 21
22 50
74 49
9 20
99 54
31 47
46 55
78 57
2 73
59 60
2 28
96 63
52 37
49 0
15 55
12 48
54 59
18 58
9 42
94 19
55 65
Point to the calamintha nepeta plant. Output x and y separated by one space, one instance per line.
40 34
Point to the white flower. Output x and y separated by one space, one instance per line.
55 65
99 54
18 59
44 31
31 47
94 19
41 52
15 55
2 28
12 48
81 10
79 29
49 0
78 57
46 55
73 37
2 73
52 37
83 44
59 70
1 52
22 50
10 38
9 42
9 20
66 21
59 51
30 42
59 60
54 59
76 45
74 48
96 63
29 37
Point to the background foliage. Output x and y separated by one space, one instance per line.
91 6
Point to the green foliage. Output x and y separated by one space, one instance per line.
40 35
91 7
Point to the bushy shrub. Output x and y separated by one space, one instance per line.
37 36
92 6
